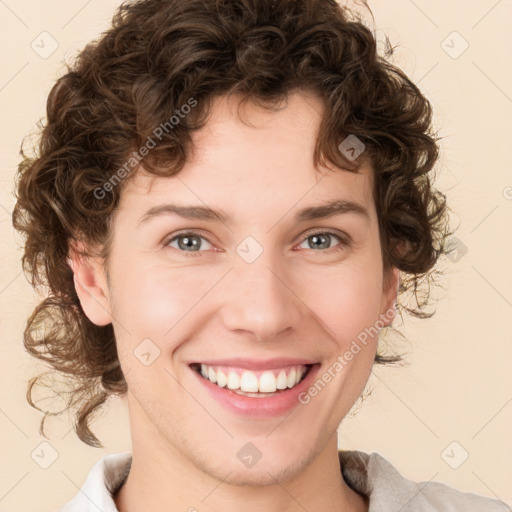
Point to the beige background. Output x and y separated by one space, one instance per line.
458 386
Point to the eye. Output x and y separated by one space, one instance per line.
323 239
187 242
191 241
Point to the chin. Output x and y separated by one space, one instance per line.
261 475
268 470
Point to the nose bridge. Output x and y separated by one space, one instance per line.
259 300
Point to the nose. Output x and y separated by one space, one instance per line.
259 299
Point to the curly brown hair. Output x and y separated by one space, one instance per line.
156 57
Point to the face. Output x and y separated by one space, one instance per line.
266 288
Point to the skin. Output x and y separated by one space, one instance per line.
294 300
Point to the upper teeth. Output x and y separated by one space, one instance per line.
248 381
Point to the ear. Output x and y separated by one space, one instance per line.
390 286
90 284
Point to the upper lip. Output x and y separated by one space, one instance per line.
256 364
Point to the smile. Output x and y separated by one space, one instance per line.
255 389
253 383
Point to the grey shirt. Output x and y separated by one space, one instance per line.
369 474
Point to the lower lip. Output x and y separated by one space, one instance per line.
264 407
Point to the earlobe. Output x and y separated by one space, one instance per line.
90 285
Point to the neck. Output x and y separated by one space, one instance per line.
177 486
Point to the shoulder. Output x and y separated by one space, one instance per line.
374 476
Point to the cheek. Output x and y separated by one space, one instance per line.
346 298
160 305
151 300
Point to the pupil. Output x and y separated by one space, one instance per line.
189 243
316 238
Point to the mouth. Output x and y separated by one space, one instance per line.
254 384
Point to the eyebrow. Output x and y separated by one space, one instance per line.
321 211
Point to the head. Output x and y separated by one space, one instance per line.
249 112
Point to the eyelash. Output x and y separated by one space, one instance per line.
343 241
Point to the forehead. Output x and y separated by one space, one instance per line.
254 159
